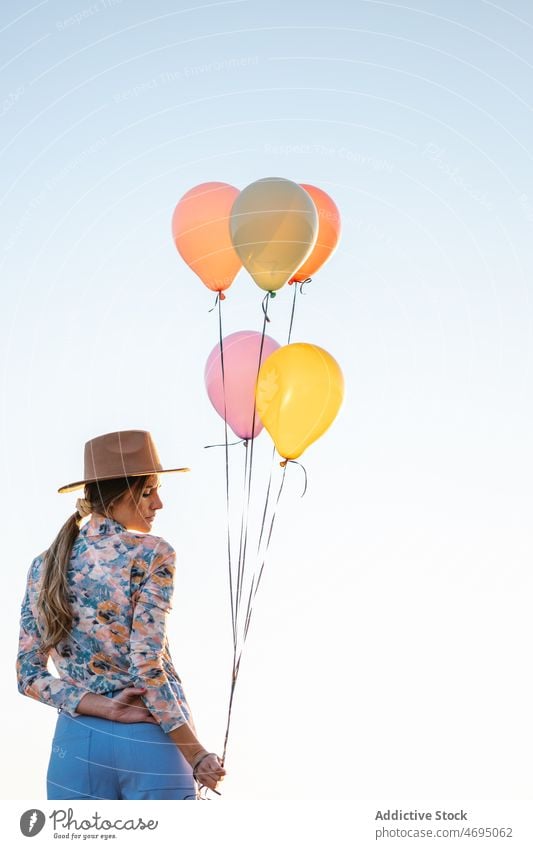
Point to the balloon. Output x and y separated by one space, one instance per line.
299 393
241 363
274 225
329 228
200 228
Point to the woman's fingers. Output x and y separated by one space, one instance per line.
211 772
212 764
210 782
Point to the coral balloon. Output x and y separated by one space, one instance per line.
274 226
299 393
200 228
329 229
241 364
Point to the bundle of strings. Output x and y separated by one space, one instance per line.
253 584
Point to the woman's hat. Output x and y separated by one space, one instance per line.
121 454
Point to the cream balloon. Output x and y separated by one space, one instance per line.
274 227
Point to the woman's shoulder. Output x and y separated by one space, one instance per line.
148 544
36 564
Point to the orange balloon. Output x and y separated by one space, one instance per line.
200 228
329 229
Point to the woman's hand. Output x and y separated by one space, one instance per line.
210 771
129 707
207 767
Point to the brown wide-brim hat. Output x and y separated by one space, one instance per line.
121 454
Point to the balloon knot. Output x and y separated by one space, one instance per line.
222 296
284 463
272 294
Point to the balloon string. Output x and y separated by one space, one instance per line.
266 501
244 530
307 280
284 464
292 314
223 444
266 318
264 304
240 571
230 569
251 598
237 664
267 498
265 509
216 302
233 682
254 587
244 522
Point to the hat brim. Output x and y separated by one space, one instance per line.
70 487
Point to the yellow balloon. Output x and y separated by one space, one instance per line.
274 227
299 392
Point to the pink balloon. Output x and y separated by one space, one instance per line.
241 364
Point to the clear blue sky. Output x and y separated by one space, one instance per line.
393 621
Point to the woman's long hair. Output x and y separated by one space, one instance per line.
54 611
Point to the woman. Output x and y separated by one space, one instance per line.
96 601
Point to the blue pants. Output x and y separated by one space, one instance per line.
94 758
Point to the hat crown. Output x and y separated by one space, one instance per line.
120 454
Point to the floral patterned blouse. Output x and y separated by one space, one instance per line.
121 586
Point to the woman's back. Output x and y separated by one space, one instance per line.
120 590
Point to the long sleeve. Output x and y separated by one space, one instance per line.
33 678
148 642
